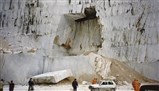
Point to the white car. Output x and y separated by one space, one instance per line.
103 84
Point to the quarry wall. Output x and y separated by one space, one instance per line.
36 36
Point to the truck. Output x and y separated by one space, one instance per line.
149 87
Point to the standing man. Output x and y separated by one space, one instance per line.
74 85
94 81
136 85
11 86
31 84
1 85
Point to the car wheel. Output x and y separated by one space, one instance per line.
113 89
90 87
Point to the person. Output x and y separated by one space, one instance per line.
74 85
94 81
11 85
136 85
1 85
31 84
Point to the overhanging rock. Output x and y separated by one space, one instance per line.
52 77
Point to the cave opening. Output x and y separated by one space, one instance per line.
79 33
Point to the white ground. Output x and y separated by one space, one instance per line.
62 88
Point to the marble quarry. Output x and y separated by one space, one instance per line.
40 36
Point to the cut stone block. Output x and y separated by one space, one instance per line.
52 77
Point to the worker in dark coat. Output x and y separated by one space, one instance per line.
74 85
11 85
1 84
31 84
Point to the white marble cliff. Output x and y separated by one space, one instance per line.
38 36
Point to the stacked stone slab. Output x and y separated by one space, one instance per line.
52 77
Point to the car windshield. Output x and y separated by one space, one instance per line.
110 83
104 83
107 83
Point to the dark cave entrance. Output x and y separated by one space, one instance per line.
79 33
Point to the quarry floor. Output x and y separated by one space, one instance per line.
63 88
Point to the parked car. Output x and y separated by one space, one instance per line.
149 87
103 84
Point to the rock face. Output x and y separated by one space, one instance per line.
38 36
130 33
